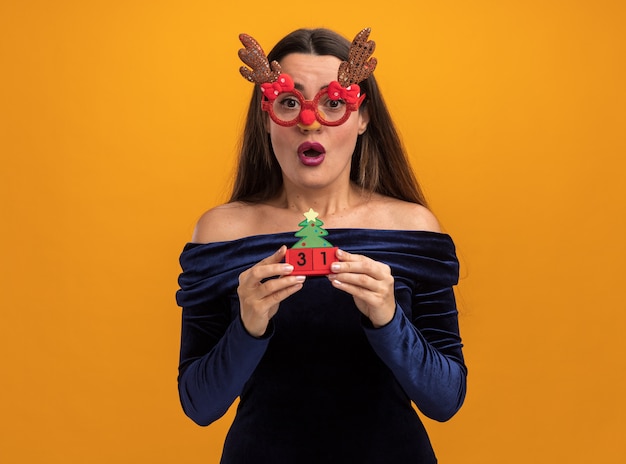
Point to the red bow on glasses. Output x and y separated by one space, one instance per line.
348 94
284 83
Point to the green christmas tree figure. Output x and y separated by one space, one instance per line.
312 232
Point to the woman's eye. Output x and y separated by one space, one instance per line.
289 102
334 104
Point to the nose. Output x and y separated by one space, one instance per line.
308 120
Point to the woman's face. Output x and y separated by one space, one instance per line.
315 156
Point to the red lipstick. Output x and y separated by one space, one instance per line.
311 153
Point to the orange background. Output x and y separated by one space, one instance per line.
119 122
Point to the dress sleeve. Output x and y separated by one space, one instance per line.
424 352
216 360
217 354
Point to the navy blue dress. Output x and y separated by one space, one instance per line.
323 385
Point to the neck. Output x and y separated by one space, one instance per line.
326 202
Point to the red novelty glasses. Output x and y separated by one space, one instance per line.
331 106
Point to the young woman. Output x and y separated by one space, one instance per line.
327 368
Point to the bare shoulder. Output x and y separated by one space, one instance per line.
223 223
402 215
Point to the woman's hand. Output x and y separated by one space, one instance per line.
259 298
369 282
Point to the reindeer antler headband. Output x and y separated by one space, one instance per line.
331 107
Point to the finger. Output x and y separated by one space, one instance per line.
356 281
376 295
270 292
270 266
257 275
276 290
359 264
274 285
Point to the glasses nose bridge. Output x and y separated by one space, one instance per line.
309 114
309 105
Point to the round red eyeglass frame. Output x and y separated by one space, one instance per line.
309 111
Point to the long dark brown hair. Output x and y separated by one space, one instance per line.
379 161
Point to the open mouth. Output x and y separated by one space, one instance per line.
311 153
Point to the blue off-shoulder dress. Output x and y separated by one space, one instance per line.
323 385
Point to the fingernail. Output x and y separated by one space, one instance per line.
287 268
300 278
334 267
339 253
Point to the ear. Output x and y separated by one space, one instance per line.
364 119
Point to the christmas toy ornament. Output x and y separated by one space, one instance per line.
312 254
